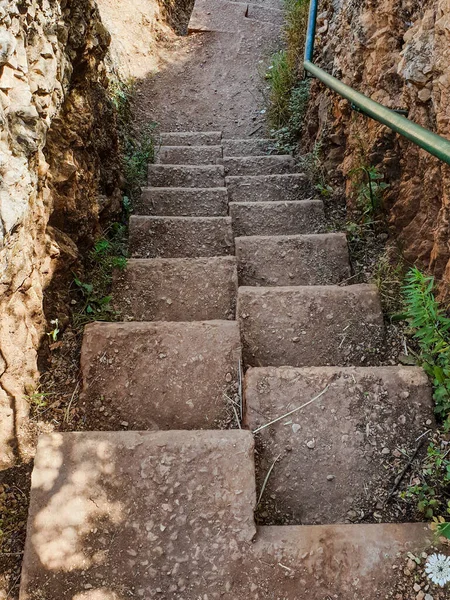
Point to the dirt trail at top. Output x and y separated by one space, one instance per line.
213 79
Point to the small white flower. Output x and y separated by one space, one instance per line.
437 568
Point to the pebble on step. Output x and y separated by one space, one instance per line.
308 326
183 202
176 289
276 218
160 375
258 165
292 260
266 188
336 451
180 237
209 176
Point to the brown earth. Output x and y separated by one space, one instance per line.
398 54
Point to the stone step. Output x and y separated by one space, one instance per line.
248 147
276 218
176 289
191 138
292 259
258 165
335 562
337 453
263 13
205 176
310 326
160 375
189 155
183 202
180 237
170 514
266 188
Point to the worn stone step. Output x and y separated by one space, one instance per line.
189 155
180 237
258 165
336 455
176 289
205 176
310 326
266 188
292 259
264 13
183 202
170 513
249 147
276 218
335 562
160 375
135 514
191 138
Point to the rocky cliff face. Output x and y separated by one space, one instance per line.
59 175
398 53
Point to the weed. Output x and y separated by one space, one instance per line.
369 186
431 329
312 165
388 276
108 254
288 98
432 484
53 334
139 151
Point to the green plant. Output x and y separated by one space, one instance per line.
369 187
139 151
108 254
431 329
287 98
53 334
432 484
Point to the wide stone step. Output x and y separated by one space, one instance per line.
176 289
310 326
336 455
249 147
170 514
180 237
160 375
266 188
276 218
292 260
258 165
209 176
263 13
183 202
189 155
191 138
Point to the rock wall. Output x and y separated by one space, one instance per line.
398 53
59 176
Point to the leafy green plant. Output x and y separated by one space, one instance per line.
432 483
108 254
369 187
388 276
431 329
139 151
288 98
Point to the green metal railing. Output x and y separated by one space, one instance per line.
429 141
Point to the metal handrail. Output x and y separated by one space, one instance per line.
431 142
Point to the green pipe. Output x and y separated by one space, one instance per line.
431 142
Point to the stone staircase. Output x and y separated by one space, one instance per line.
234 314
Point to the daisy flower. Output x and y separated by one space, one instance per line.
437 569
